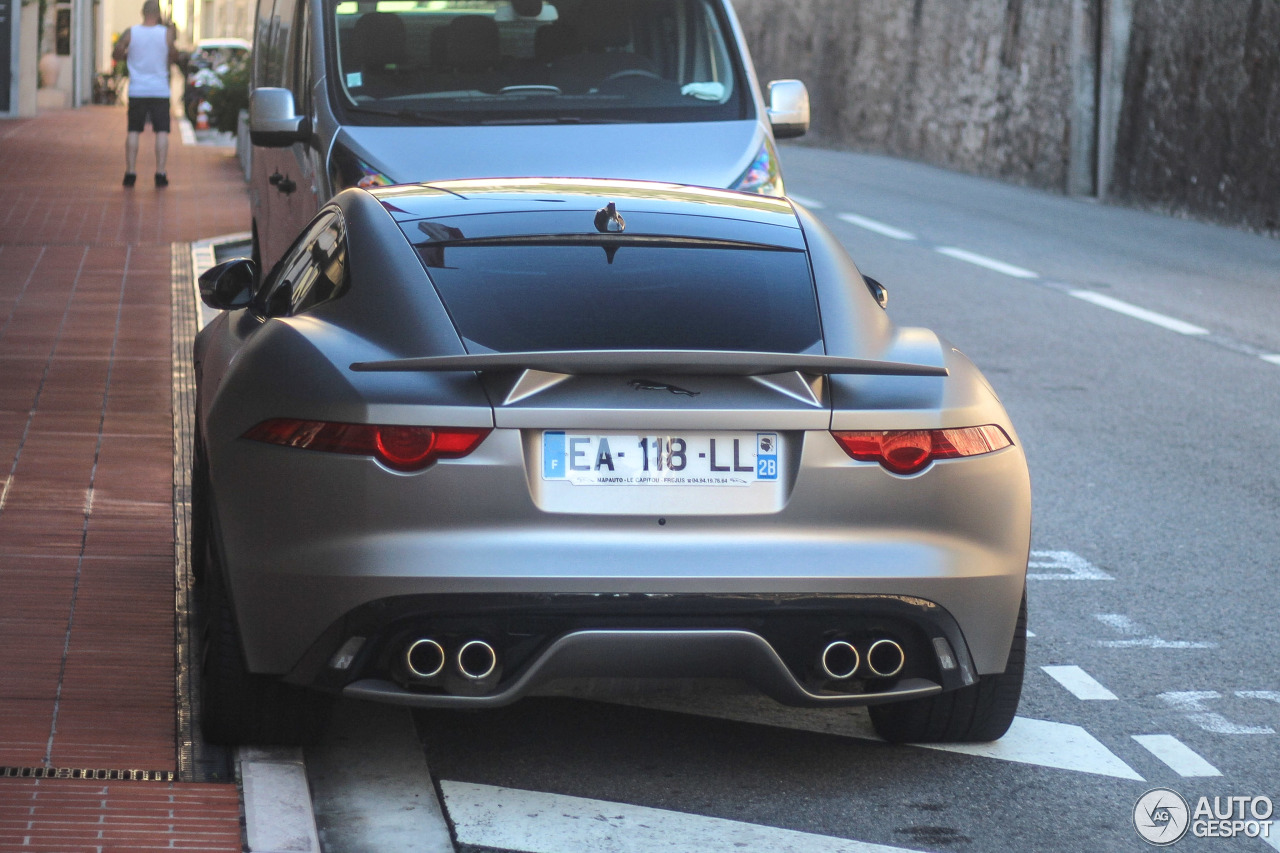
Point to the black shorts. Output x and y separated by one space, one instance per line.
157 108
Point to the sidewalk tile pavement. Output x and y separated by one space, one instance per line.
87 681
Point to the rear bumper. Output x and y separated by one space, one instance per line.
772 642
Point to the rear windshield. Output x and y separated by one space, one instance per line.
517 61
521 298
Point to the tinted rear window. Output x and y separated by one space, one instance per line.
518 298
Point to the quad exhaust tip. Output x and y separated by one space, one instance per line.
885 658
476 660
839 660
424 658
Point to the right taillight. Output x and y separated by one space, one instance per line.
906 451
402 448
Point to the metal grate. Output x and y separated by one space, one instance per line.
86 773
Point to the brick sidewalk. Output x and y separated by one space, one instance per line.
87 555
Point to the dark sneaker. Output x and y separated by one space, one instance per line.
130 179
162 180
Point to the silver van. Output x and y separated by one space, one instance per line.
375 92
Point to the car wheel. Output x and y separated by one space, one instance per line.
199 535
980 712
239 707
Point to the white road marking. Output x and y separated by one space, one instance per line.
1181 758
1274 359
1120 307
1048 744
986 262
876 226
1029 634
1139 638
1040 743
512 819
1081 684
811 203
4 493
1073 567
1191 704
1269 695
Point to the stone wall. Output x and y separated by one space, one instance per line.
983 86
1175 103
1200 130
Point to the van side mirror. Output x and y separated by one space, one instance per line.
229 285
272 120
788 108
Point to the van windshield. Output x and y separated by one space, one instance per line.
535 61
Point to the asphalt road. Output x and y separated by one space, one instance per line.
1139 357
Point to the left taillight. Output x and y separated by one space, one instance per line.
401 448
909 451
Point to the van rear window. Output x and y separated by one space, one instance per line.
516 298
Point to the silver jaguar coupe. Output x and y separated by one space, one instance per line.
473 437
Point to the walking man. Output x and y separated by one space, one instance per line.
149 48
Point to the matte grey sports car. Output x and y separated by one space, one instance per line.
469 438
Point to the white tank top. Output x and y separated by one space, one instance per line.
149 61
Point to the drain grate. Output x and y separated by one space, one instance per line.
85 773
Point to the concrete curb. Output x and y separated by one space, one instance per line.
277 801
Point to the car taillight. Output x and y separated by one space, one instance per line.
909 451
402 448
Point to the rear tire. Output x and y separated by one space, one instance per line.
240 707
978 713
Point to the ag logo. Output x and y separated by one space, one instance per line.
1161 816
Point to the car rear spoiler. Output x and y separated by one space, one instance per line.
684 362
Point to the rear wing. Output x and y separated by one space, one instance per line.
673 362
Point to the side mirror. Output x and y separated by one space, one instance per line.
272 120
229 285
878 291
788 108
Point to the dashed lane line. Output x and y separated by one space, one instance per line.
1181 758
1079 683
1172 324
499 818
987 263
876 226
805 201
1120 307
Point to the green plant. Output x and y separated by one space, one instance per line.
229 97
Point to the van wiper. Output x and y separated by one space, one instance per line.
409 116
555 120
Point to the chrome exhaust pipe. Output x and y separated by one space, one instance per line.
885 658
476 660
839 660
424 658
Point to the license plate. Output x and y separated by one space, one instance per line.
658 459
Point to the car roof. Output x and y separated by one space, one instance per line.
512 207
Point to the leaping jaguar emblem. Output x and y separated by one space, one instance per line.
649 385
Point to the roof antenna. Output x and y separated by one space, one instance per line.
609 220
